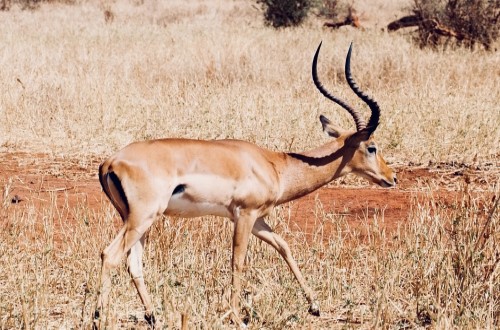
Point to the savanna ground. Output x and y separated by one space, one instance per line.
80 81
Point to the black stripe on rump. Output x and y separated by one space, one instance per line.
119 187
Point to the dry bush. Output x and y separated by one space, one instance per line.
30 4
24 4
461 22
331 9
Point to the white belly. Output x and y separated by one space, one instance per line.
185 208
203 194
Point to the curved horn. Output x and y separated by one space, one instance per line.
374 107
360 123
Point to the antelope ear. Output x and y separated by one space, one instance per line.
329 128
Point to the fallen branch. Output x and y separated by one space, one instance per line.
431 25
404 22
351 19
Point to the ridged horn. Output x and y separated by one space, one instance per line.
360 123
374 107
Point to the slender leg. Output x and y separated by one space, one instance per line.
106 266
262 230
131 232
134 263
243 225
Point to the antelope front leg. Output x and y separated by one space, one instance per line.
243 225
262 230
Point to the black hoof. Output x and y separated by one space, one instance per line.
314 309
150 318
97 315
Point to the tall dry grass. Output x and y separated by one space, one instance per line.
441 269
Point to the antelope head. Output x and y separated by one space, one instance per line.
365 157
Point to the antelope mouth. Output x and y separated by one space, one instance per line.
387 184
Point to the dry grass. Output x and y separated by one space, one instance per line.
440 269
75 84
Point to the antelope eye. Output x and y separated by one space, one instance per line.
372 150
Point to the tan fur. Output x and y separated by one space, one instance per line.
229 178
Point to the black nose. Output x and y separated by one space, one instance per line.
395 180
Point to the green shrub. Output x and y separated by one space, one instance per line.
285 13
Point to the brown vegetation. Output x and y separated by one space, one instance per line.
5 5
467 22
